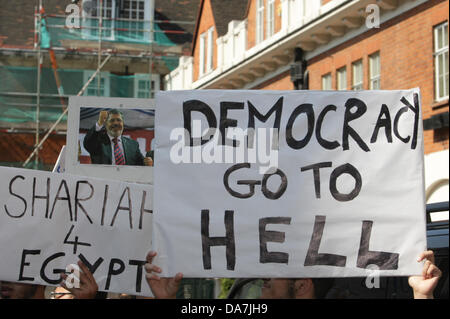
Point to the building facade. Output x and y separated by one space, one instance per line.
144 39
344 45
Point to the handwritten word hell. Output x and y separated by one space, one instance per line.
383 260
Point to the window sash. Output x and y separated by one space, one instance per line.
142 87
441 77
210 46
270 17
341 77
134 10
108 12
143 90
357 76
92 89
260 21
108 9
374 69
441 38
202 54
326 82
305 9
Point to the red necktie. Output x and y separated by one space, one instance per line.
118 155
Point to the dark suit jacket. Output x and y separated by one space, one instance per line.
98 145
150 154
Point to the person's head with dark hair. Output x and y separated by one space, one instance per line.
114 123
295 288
10 290
114 112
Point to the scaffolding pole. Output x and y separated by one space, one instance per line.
52 15
38 98
152 38
65 112
93 76
99 60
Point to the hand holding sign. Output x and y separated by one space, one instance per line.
87 285
423 286
148 161
162 288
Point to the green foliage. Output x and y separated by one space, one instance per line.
225 286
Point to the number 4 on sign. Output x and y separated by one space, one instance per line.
74 243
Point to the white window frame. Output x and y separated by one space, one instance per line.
145 94
139 35
441 51
94 85
357 75
326 82
93 22
210 49
305 10
202 46
341 78
259 21
375 71
270 18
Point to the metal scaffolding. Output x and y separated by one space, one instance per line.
39 16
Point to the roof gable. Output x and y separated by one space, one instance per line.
223 12
227 10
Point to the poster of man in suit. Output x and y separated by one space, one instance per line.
109 140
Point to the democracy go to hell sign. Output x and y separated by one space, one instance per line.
288 183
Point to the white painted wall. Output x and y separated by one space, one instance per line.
436 169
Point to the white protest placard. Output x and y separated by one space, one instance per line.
60 166
137 118
49 221
289 183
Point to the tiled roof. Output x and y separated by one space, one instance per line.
17 23
177 10
17 19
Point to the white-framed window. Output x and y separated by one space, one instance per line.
304 8
270 17
108 12
441 81
374 71
134 10
341 78
92 89
357 75
326 81
259 21
210 49
142 86
202 47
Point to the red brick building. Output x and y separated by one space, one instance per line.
347 45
